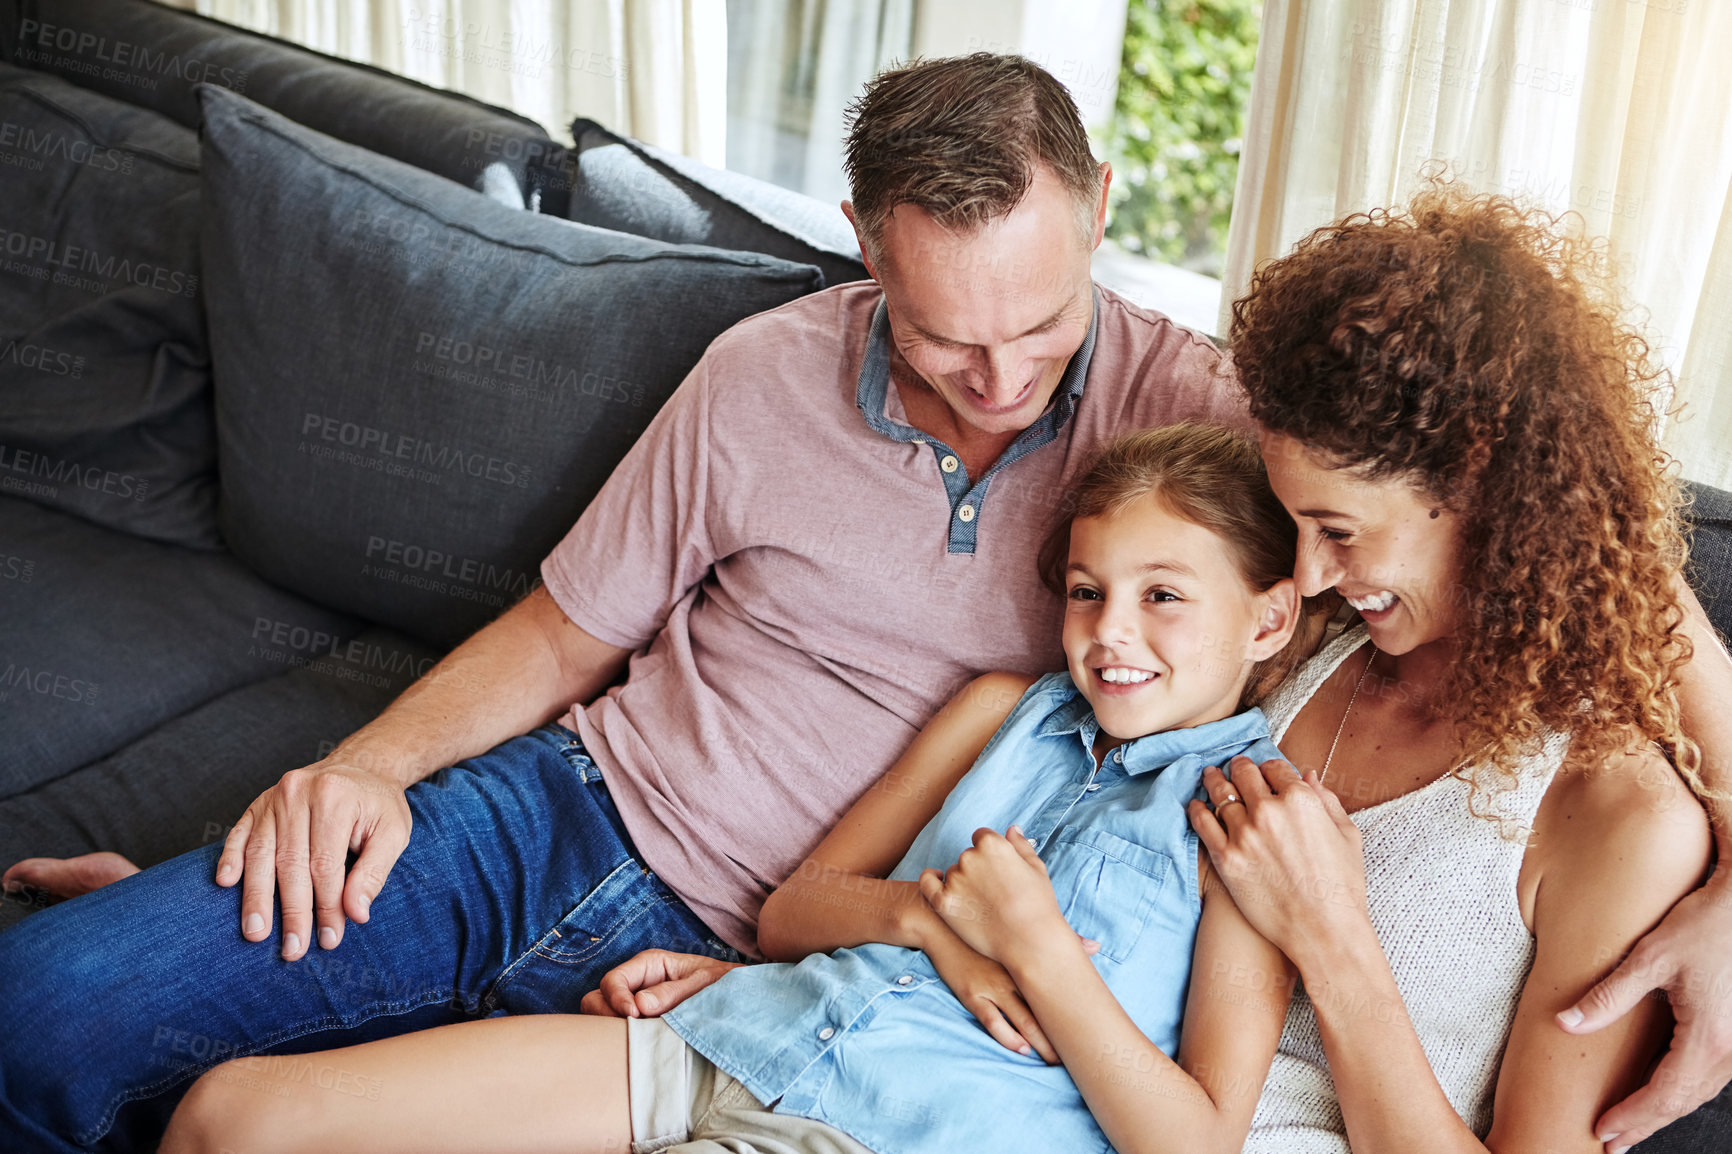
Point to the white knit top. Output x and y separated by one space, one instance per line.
1441 886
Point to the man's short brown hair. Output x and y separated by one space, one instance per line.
960 137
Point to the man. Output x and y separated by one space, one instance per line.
829 529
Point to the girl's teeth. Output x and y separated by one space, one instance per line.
1376 604
1125 676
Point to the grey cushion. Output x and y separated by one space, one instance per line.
1705 1131
624 184
154 56
182 785
105 405
1710 570
104 636
419 393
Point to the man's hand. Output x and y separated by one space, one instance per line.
650 983
295 839
1689 955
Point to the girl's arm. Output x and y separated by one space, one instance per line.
1619 847
1000 901
840 896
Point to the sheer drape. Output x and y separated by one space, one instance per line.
795 65
656 69
1618 109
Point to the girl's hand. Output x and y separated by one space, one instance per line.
1287 851
997 897
988 992
651 982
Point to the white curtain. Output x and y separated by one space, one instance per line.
655 69
1620 110
796 65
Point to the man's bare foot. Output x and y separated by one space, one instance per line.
67 877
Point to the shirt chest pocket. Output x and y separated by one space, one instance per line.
1107 885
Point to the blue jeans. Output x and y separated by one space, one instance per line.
519 889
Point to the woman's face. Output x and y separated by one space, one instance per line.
1378 543
1160 628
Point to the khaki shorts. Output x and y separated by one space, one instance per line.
681 1102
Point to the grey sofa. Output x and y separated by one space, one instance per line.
288 410
303 367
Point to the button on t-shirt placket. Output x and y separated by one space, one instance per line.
964 497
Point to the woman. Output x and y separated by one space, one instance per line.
1462 429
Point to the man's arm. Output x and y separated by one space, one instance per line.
1689 955
519 672
1706 700
638 548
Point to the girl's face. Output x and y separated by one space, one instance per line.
1378 543
1160 627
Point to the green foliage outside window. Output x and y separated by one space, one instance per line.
1177 127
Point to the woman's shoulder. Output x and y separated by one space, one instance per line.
1629 817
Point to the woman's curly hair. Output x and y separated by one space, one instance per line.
1479 351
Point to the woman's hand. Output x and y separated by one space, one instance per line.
997 897
1287 851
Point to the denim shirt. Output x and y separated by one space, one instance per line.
870 1040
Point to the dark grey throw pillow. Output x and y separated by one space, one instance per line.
1709 519
625 184
105 406
417 389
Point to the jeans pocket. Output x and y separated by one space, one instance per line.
612 910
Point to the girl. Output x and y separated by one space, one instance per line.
1179 611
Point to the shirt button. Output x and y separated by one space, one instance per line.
904 980
1119 756
949 463
1094 787
966 513
826 1033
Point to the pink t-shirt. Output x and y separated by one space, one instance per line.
790 580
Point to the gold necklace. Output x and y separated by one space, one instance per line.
1324 776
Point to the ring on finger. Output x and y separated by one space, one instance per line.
1230 799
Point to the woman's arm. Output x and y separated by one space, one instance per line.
840 896
1625 843
1000 901
1617 856
1691 950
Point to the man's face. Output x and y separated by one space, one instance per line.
990 319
